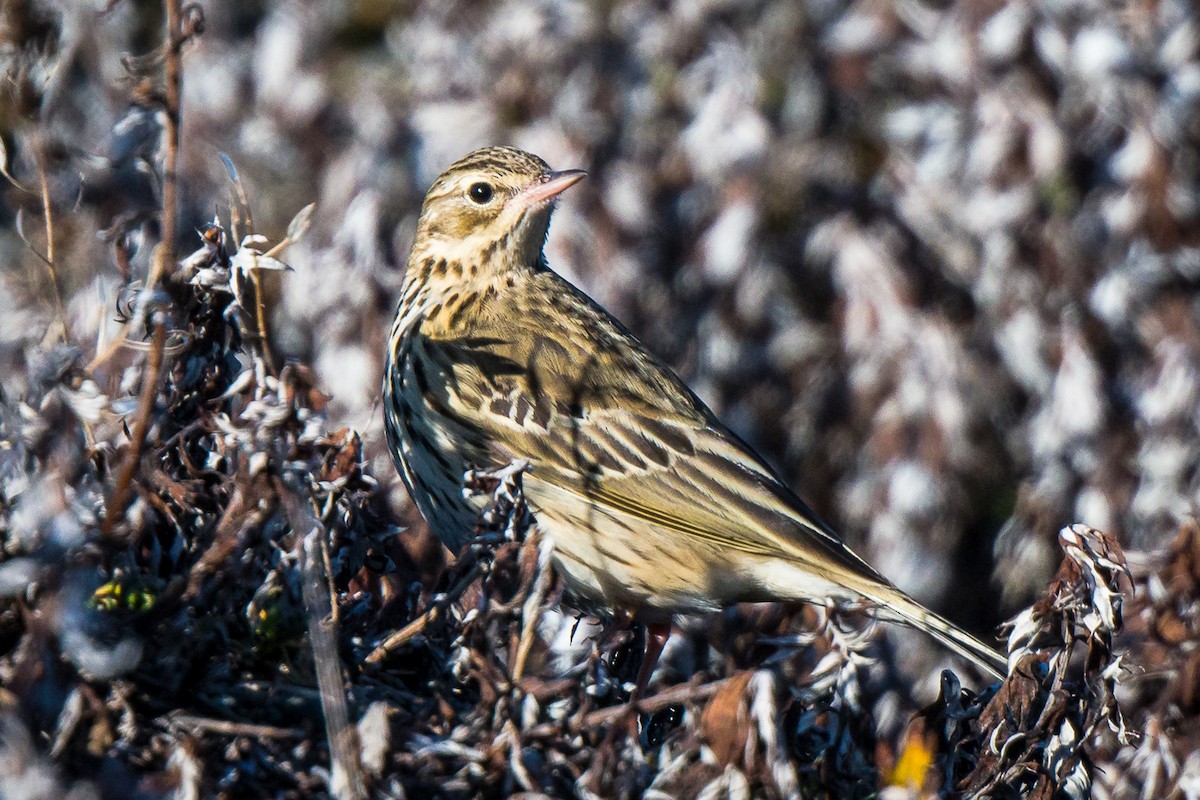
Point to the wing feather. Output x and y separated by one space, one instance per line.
619 429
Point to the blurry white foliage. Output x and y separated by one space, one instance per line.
796 342
996 135
914 491
1094 507
1163 466
1052 46
87 402
374 736
358 238
1133 159
353 371
729 243
281 81
447 130
950 56
437 60
939 381
89 312
568 637
1173 393
1096 52
95 660
1183 89
904 557
805 93
17 576
760 289
941 157
1076 409
27 775
1181 45
1154 762
1021 341
1189 777
908 123
42 514
576 111
20 322
862 30
1002 36
1117 295
722 352
727 129
988 209
871 285
1123 212
1047 144
520 24
626 193
213 90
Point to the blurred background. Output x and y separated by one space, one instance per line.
936 260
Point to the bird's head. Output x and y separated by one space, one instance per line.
494 203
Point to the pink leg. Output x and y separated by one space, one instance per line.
656 639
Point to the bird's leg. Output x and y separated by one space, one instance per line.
657 634
656 639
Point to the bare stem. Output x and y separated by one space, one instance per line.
347 780
119 500
418 625
260 318
48 217
173 76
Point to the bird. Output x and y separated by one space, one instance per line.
652 506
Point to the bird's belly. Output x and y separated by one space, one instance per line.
609 560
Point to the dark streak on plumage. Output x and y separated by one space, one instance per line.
522 409
626 454
652 451
418 373
543 410
457 315
501 406
672 437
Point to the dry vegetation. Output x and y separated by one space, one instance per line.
938 261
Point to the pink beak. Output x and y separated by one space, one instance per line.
549 186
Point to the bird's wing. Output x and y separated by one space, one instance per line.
598 415
698 480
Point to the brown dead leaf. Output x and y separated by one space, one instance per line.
725 723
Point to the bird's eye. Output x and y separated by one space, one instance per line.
481 193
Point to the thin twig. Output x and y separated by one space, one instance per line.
48 219
688 692
173 75
260 316
163 263
418 625
335 612
117 502
227 728
532 610
347 781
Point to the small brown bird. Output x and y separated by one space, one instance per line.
653 506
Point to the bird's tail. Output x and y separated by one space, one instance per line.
899 607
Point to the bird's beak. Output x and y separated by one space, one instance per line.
548 186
